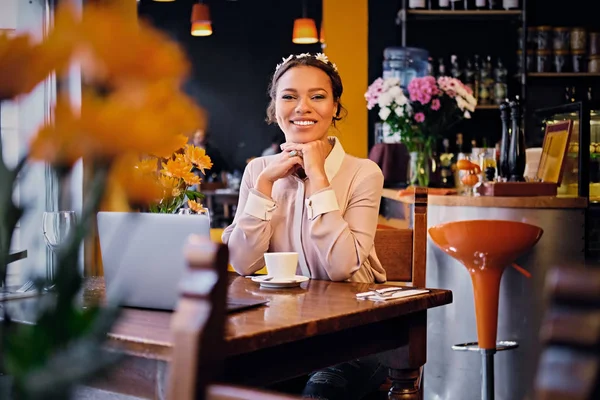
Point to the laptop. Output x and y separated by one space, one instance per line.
143 258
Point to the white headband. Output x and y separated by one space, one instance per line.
319 56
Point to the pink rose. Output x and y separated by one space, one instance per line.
419 117
435 104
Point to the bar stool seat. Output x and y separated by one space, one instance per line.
486 248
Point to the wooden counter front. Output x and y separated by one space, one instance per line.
492 201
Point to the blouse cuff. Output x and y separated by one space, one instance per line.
260 206
322 202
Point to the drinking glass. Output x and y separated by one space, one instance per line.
57 227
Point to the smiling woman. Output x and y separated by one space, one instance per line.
312 199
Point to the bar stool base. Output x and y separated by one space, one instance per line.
487 363
501 345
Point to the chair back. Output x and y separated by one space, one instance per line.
403 252
198 327
198 324
569 366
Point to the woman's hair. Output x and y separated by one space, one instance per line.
307 60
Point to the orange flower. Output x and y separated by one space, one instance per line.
171 185
57 143
24 64
148 119
116 52
177 167
147 166
196 207
191 178
198 157
139 188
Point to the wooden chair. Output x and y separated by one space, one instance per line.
198 327
403 252
403 255
570 361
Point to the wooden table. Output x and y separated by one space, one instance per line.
302 329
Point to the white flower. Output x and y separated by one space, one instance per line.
334 67
384 113
284 61
399 111
461 103
390 82
322 57
467 115
385 99
395 91
303 55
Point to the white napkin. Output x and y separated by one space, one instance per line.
390 293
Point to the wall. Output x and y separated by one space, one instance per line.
346 27
232 67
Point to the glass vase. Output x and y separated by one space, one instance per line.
419 169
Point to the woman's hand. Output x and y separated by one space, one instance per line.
314 155
284 165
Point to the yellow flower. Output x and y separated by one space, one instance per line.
196 207
198 157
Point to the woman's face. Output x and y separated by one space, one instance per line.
304 104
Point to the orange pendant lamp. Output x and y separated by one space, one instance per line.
305 29
201 23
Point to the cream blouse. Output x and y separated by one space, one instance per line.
333 230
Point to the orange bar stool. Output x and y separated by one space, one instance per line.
486 248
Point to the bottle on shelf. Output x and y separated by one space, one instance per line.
480 4
485 82
455 71
494 4
457 5
446 161
443 4
441 70
417 4
469 75
500 82
516 151
510 4
477 71
430 67
460 155
503 168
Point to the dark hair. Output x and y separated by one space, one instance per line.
304 60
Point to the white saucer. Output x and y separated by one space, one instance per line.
280 283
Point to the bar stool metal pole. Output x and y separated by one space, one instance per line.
487 374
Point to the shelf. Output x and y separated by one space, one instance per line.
562 75
464 14
487 107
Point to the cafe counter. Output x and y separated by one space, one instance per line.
456 375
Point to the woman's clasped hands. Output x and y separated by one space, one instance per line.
295 156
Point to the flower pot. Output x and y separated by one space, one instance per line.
419 168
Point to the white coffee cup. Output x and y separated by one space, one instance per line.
281 265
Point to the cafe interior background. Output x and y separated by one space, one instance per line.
231 68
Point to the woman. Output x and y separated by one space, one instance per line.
313 199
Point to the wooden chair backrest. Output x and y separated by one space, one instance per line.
198 324
569 366
198 327
403 252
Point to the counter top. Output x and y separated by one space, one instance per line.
494 201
